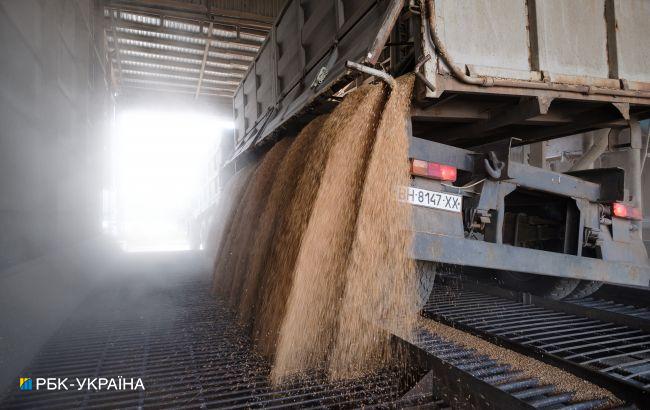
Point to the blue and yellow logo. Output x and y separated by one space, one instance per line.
25 383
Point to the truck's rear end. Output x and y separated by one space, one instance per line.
499 83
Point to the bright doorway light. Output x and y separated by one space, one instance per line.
160 163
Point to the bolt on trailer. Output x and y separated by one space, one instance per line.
499 82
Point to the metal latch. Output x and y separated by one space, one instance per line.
320 77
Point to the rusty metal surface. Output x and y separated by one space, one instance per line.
569 56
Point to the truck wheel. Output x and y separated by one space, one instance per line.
544 286
585 288
426 272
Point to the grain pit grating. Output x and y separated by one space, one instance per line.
189 353
616 354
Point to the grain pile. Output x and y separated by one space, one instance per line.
318 249
308 328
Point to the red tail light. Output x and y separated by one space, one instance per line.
433 170
626 211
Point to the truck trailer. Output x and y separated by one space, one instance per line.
494 79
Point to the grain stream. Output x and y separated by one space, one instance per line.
232 263
309 326
293 223
381 283
227 204
282 191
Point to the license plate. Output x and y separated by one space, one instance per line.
431 199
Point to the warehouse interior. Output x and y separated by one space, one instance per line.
92 90
117 127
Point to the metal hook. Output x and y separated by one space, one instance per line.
493 166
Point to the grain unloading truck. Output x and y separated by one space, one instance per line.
493 76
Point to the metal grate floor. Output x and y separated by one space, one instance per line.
530 391
188 352
612 306
618 351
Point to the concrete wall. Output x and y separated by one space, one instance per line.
53 100
54 105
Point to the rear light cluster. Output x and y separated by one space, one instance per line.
626 211
433 170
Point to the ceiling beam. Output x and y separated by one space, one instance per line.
117 47
125 24
146 62
248 55
175 88
188 86
153 53
169 70
186 81
196 11
205 58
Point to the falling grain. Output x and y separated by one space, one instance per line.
227 205
292 224
284 186
381 283
308 328
232 264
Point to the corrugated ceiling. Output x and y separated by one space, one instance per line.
200 47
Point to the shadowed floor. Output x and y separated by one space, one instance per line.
184 345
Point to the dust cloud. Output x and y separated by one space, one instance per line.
229 197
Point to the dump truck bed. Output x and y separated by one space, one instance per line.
547 64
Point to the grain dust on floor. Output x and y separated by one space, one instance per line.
547 374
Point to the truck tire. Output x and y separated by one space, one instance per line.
585 288
426 273
544 286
